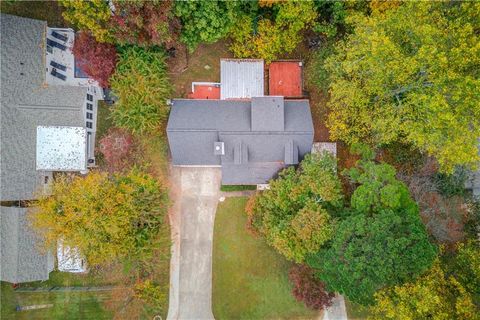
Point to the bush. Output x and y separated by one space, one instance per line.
151 293
450 185
308 289
142 85
117 148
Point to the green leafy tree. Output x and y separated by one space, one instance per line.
205 21
294 215
91 15
466 266
433 296
410 74
381 242
108 218
141 82
270 38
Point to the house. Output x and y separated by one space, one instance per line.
48 116
39 89
21 259
249 135
251 140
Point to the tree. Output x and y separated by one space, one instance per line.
144 23
432 296
108 218
91 15
205 21
142 85
410 74
294 215
380 242
308 289
97 60
271 38
466 266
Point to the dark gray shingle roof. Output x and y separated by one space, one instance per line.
27 102
21 259
251 156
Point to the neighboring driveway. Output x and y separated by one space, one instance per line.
195 193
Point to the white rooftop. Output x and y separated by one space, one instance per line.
61 148
69 259
65 59
241 78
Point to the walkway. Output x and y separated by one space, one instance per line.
337 311
195 195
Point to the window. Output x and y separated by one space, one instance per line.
49 49
89 97
89 115
89 106
89 124
46 180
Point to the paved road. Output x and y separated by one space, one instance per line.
195 196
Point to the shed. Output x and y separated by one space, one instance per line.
70 259
285 78
241 78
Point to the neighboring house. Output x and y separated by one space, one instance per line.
48 114
251 140
21 259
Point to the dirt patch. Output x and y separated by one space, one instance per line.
201 65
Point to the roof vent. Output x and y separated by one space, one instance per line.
219 148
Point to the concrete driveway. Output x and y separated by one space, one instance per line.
195 192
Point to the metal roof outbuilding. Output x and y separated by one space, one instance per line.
241 78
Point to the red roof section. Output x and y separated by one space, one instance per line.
204 91
285 79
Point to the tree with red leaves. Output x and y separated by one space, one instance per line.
97 60
144 23
309 289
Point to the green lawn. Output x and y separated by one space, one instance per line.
250 280
66 305
229 188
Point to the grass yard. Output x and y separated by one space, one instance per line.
66 305
230 188
71 305
203 65
250 280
